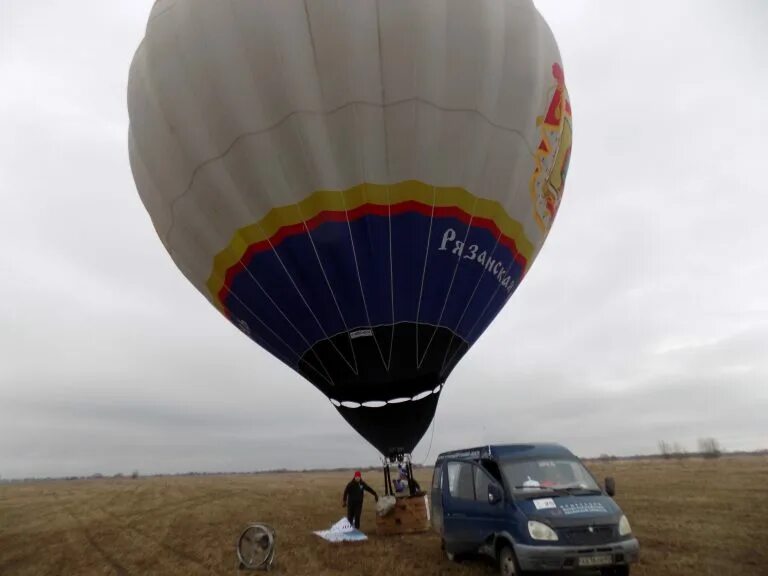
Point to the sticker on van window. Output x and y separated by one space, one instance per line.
544 504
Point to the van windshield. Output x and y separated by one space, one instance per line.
541 475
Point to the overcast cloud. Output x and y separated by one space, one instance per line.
645 316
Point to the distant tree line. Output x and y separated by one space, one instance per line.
707 448
671 450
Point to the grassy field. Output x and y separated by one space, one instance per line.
692 517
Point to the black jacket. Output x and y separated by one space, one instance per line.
354 492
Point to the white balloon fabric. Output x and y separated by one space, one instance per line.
342 531
385 505
358 185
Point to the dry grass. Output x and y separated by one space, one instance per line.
693 517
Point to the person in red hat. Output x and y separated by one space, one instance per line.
353 498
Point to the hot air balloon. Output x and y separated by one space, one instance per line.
358 185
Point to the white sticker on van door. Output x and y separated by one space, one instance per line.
544 503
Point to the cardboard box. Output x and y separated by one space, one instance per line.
409 516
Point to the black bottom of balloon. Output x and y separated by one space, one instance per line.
395 427
383 364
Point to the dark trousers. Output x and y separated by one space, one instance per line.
354 509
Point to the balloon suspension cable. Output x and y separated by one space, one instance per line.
405 472
431 437
411 482
388 491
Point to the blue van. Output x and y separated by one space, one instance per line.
531 507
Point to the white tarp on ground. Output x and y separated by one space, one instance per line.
342 531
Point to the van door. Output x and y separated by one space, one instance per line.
486 518
436 497
458 506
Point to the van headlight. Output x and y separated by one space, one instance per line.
624 528
539 531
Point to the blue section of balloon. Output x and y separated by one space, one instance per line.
288 301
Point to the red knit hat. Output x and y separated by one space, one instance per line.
358 475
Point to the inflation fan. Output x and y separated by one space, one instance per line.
256 547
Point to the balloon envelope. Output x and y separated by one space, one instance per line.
358 185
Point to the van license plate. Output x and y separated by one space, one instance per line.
602 560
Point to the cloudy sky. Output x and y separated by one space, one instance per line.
644 318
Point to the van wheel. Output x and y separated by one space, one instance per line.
507 562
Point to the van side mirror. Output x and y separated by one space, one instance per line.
610 486
495 495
